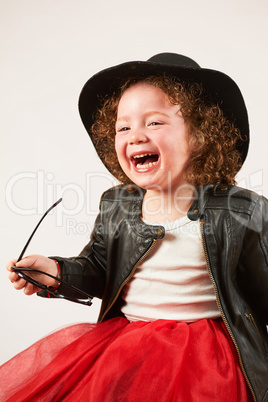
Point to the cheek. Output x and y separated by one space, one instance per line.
116 144
119 149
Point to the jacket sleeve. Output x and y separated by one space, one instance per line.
254 258
87 271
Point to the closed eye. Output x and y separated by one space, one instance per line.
122 129
155 123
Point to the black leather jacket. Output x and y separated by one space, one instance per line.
234 225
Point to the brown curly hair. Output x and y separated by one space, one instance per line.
212 137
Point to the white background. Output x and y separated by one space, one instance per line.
48 51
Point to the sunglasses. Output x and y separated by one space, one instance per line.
85 297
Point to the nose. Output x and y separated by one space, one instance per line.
137 136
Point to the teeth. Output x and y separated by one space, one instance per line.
141 156
139 165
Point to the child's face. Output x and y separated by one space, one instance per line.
151 138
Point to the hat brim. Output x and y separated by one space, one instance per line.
220 88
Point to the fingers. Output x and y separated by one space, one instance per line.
30 289
33 261
19 283
11 264
27 262
12 276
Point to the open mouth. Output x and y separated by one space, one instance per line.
145 161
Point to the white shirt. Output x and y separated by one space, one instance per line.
173 281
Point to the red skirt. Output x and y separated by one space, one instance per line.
120 361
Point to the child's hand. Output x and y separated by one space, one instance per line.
38 262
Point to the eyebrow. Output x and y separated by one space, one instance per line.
153 112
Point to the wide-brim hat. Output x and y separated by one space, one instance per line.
218 87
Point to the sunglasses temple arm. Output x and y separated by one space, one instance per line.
30 238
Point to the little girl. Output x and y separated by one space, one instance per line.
178 254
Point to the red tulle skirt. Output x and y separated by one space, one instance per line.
121 361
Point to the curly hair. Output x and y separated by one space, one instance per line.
212 137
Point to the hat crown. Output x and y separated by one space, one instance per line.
174 59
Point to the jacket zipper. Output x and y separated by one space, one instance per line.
252 321
128 278
222 312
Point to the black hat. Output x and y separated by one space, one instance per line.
219 87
